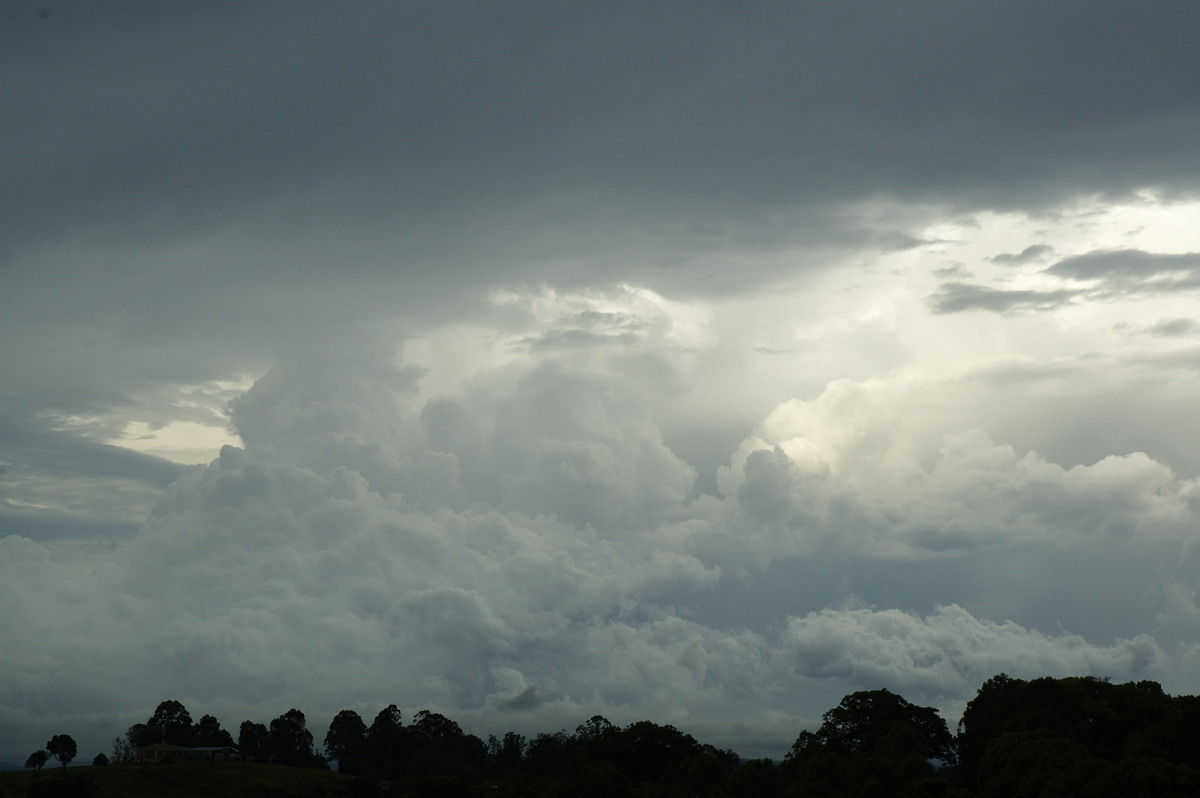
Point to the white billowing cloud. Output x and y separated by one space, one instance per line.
948 653
529 552
868 468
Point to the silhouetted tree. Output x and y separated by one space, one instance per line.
645 751
432 728
595 729
593 742
987 716
507 753
387 740
171 718
872 743
100 760
37 760
289 742
346 741
1078 735
140 735
62 747
208 732
863 719
549 753
252 741
757 777
122 750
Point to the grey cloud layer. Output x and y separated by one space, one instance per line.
1132 272
1105 275
430 117
193 193
958 297
527 555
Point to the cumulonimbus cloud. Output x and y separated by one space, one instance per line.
530 550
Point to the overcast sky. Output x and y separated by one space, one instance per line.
525 361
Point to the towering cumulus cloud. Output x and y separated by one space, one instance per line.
530 552
684 361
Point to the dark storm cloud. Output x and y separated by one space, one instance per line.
72 454
420 118
960 297
1100 275
61 484
1132 271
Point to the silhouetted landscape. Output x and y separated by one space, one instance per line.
1072 736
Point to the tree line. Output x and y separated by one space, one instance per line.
1073 736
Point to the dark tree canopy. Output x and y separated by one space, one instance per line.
346 741
173 723
864 719
139 735
872 743
595 728
507 753
37 760
208 732
1079 735
644 750
62 747
387 737
252 741
549 753
289 742
1069 736
388 720
433 728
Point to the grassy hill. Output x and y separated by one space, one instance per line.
185 780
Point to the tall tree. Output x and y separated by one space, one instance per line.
435 729
861 721
872 743
594 729
507 753
549 753
122 751
252 741
289 742
208 732
62 747
172 718
346 741
387 739
139 735
645 750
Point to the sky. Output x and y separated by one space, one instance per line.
693 362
